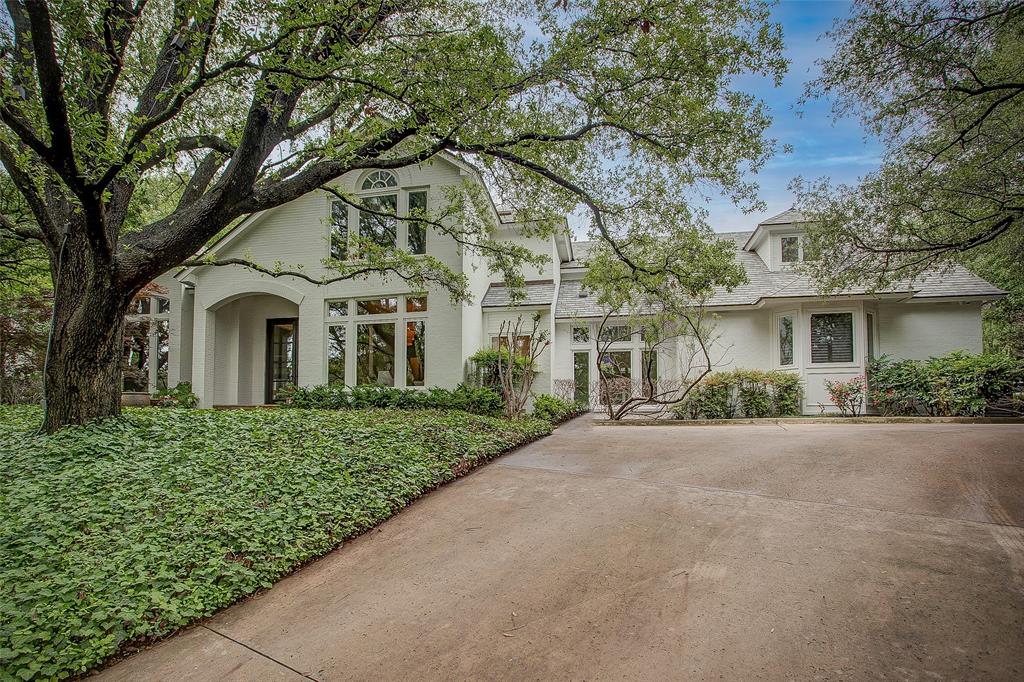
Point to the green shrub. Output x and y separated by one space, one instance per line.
179 396
958 384
337 397
743 392
555 410
484 367
131 528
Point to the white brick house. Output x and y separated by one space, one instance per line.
237 335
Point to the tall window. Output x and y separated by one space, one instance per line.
791 249
581 377
390 341
870 324
378 224
786 340
339 230
617 371
417 230
649 371
832 337
146 344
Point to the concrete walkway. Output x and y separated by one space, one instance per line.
749 552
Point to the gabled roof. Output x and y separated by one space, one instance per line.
790 215
762 284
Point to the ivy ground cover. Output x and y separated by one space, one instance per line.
129 529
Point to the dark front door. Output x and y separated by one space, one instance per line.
282 355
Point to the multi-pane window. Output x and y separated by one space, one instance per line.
390 341
387 217
146 344
521 343
581 334
831 337
417 237
786 340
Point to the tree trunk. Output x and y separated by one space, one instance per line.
82 381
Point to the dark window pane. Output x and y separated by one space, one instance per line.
339 230
380 229
135 376
871 336
790 249
139 306
522 344
415 304
581 375
581 335
415 353
163 305
832 337
786 340
649 369
614 332
417 230
377 306
337 308
282 357
375 358
336 354
616 371
162 352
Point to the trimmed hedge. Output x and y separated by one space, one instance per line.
954 385
129 529
483 401
743 393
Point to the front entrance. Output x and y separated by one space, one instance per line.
282 352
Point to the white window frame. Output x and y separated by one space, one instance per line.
351 319
853 312
801 239
153 319
794 315
401 209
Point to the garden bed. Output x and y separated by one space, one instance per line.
125 531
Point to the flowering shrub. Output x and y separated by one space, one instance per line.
847 395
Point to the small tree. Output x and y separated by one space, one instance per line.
662 297
517 360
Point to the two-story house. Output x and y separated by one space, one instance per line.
239 336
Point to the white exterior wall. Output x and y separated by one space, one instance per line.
923 330
297 234
492 327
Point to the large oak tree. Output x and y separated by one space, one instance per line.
623 107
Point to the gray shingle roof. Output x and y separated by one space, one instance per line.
790 215
763 283
538 292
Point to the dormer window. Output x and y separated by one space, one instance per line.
792 249
379 180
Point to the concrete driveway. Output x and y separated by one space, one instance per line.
728 552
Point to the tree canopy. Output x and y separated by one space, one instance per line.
241 106
940 82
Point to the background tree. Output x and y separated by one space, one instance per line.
252 104
940 81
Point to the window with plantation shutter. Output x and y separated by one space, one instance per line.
832 337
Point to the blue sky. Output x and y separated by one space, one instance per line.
821 146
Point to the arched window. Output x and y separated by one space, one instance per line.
380 180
